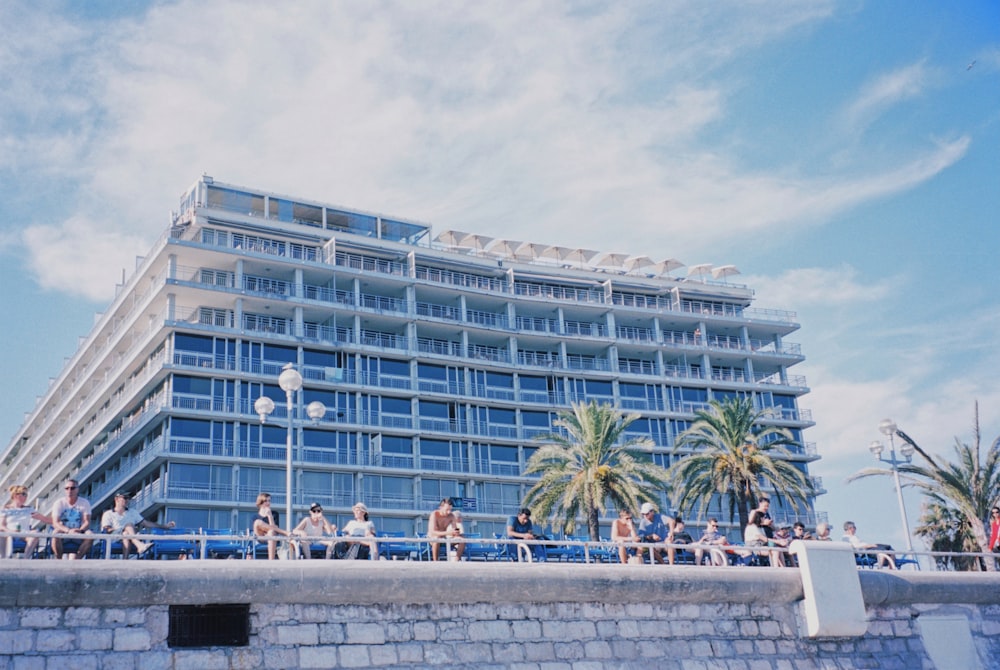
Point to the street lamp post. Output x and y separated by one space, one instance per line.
290 381
888 428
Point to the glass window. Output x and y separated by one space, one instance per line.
393 444
632 390
193 343
533 383
196 385
435 372
390 366
535 419
438 448
274 352
500 380
437 410
595 387
502 416
508 454
326 359
396 406
187 473
694 394
190 428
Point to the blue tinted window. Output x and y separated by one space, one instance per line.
392 444
534 383
437 410
190 428
435 448
438 372
500 380
502 416
393 367
395 405
199 385
535 418
503 454
193 343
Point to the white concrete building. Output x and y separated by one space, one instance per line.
439 360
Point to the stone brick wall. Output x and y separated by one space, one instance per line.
327 615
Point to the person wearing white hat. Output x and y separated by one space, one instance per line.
653 529
359 526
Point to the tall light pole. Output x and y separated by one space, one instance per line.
888 428
290 381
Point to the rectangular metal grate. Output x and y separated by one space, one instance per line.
209 626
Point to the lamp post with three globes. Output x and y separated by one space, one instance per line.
290 381
888 428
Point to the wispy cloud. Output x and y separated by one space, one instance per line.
886 91
819 287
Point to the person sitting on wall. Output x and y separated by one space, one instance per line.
358 527
444 524
652 529
16 516
121 519
264 525
623 531
713 540
884 558
823 532
71 514
755 538
677 536
313 526
782 538
799 532
519 528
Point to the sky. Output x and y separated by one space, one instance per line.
843 155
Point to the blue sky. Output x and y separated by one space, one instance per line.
843 155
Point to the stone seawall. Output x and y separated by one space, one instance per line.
321 614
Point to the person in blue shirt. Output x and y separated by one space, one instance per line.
519 528
653 529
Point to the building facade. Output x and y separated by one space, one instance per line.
439 361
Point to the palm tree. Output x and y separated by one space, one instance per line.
969 485
589 466
946 530
734 456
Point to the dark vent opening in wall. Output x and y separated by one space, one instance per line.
209 626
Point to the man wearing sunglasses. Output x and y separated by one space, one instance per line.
70 514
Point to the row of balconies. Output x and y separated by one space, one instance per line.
495 284
398 306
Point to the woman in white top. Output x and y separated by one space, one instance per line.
753 536
313 526
359 526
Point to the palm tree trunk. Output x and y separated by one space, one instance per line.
743 508
983 540
593 524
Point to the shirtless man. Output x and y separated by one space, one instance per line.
442 523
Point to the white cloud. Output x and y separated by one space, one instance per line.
819 287
588 126
81 257
885 91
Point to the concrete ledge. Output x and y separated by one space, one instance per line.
139 583
136 583
884 587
